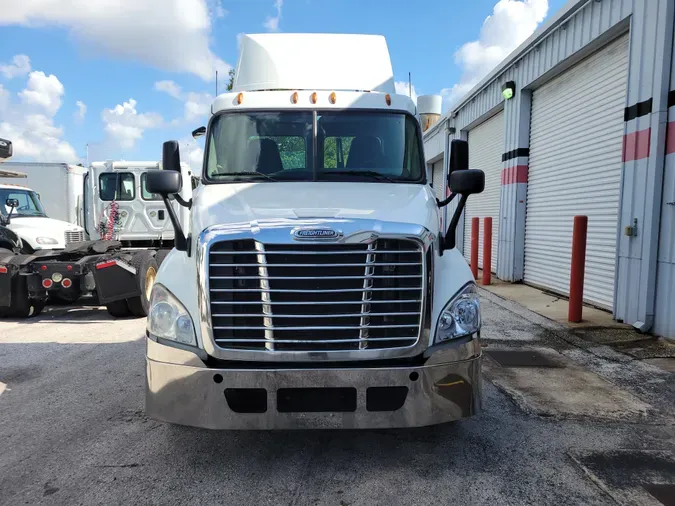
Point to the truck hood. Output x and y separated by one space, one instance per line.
30 228
218 204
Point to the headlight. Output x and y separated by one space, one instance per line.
461 317
169 319
46 240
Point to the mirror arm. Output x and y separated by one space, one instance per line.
443 203
181 242
182 202
448 242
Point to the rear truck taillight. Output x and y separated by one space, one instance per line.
66 283
47 283
3 269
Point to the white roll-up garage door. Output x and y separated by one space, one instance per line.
438 180
486 145
576 141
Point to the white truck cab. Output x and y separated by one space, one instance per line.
314 288
117 204
29 220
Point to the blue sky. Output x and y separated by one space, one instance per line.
143 73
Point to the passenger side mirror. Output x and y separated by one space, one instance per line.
12 204
459 156
461 181
169 181
467 182
198 132
164 182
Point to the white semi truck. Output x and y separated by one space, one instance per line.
315 288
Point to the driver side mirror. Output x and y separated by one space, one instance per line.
169 181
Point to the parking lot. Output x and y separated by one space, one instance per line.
73 431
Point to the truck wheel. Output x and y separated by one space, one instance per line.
146 270
118 309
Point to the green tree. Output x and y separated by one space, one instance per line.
231 83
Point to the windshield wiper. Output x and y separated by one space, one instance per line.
367 173
250 173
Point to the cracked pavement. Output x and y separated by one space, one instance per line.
73 431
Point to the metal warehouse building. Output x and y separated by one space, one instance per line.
590 130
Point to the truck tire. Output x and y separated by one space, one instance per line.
22 306
161 255
146 270
118 308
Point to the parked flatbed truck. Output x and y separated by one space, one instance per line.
315 288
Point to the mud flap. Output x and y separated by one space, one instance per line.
115 280
7 274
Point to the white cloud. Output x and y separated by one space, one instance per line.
20 66
216 9
42 92
509 25
81 111
169 87
402 88
124 125
272 22
28 121
173 35
197 105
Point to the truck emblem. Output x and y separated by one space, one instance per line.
315 234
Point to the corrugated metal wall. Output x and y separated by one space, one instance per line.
664 317
566 39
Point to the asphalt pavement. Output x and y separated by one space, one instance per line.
73 431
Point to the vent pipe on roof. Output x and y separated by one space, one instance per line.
429 107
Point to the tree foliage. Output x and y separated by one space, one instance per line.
230 84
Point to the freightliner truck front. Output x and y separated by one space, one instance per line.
315 288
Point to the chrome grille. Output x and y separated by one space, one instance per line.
74 237
316 297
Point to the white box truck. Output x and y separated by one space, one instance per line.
59 186
315 288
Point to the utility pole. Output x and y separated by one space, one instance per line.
216 83
409 85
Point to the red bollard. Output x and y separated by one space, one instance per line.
474 246
487 250
577 270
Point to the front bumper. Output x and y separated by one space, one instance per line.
181 389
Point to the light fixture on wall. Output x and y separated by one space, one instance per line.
508 90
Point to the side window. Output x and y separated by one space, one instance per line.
145 194
336 152
116 186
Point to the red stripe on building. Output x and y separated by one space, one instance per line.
515 174
636 145
670 138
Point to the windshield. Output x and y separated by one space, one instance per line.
281 146
29 203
